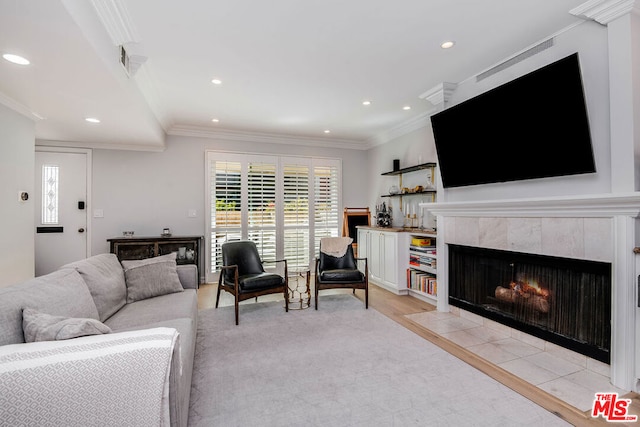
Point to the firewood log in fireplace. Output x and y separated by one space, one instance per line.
536 302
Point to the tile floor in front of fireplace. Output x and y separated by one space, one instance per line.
570 376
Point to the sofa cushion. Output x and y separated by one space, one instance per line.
142 313
61 293
39 326
104 277
151 277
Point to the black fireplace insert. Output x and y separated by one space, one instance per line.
561 300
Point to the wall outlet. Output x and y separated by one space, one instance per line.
98 213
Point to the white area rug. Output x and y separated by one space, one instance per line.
339 366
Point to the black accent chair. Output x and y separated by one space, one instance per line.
343 272
242 274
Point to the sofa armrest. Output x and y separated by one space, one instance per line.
67 382
188 275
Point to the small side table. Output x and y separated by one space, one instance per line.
299 288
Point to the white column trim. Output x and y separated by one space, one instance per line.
440 94
623 305
605 11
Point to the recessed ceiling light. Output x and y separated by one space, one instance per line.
406 107
92 120
216 81
448 44
16 59
366 102
327 131
215 120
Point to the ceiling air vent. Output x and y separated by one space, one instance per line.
131 63
518 58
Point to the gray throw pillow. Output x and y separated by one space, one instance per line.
151 277
105 279
45 327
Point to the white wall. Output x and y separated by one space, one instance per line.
589 39
146 192
17 139
411 149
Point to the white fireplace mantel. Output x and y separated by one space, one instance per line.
587 206
623 210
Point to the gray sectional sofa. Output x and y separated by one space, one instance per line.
127 296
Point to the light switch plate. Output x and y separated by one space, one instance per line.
191 213
98 213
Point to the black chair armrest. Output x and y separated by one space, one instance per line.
286 272
228 267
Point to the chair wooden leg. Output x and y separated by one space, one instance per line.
366 297
286 298
316 292
237 307
218 294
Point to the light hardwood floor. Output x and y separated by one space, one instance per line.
396 307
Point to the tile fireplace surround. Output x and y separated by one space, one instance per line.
593 227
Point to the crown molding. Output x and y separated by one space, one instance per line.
101 145
605 11
19 108
403 128
116 20
263 137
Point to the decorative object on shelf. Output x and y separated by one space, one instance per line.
191 254
127 234
396 164
166 232
394 190
383 216
182 252
428 189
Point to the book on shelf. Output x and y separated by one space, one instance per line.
431 250
422 261
421 281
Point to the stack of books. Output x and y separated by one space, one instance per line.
422 281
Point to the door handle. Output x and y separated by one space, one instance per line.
80 230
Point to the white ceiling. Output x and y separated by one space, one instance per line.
288 67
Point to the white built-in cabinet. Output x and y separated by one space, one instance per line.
389 253
381 249
404 260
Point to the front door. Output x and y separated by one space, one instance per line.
60 209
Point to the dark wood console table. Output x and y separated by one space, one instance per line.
131 248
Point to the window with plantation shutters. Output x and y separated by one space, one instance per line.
296 214
261 206
326 180
284 204
226 204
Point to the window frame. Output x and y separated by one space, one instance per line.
281 162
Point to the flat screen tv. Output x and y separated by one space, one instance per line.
535 126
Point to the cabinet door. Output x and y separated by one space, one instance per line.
134 250
363 247
389 258
375 266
